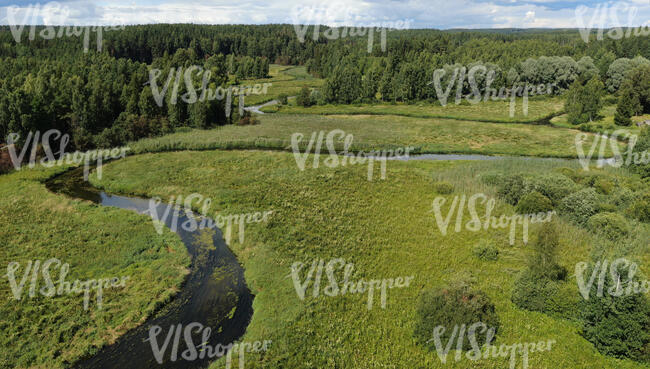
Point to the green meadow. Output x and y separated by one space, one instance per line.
430 136
539 109
96 242
605 123
286 80
387 230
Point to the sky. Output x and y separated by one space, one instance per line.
439 14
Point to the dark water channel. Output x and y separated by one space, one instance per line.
223 303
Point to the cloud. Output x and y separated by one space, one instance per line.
442 14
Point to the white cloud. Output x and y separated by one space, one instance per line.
424 13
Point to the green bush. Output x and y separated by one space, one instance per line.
283 99
449 307
568 172
610 100
642 146
555 186
317 98
486 251
604 186
512 188
609 225
590 178
443 188
564 301
543 261
622 197
538 286
580 206
533 203
618 326
640 209
607 208
536 294
304 97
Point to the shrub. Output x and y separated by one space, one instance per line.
533 203
283 99
609 225
486 251
304 97
568 172
604 186
622 197
317 98
610 100
607 208
642 146
535 294
537 287
564 301
6 165
449 307
248 119
580 206
443 188
555 186
618 326
512 188
641 208
542 262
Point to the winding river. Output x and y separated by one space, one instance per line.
223 303
214 293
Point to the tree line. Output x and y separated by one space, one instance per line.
102 98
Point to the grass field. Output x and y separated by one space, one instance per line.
492 111
605 124
96 242
286 80
387 230
428 135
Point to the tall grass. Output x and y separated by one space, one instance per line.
387 230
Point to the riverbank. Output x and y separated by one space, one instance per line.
385 229
97 243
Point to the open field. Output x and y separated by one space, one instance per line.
427 135
97 242
492 111
286 80
386 229
605 124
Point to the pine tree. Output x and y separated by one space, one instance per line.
626 108
584 102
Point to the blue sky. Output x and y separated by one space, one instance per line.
441 14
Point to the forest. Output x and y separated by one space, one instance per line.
102 98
